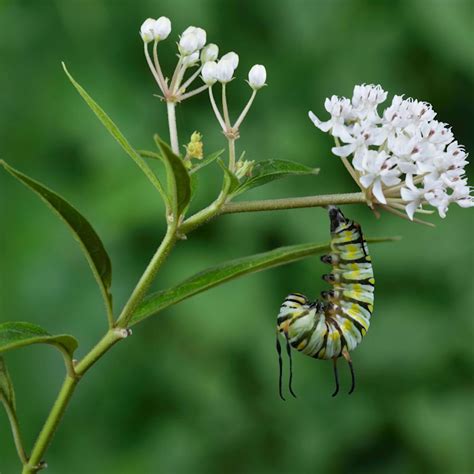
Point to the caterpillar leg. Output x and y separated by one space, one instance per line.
336 377
347 356
288 350
280 364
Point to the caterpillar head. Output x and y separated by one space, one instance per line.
336 217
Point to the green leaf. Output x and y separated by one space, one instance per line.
227 271
7 393
82 230
231 181
179 183
206 161
14 335
269 170
117 134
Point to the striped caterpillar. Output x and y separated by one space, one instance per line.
334 326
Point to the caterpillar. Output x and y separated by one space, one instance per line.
333 326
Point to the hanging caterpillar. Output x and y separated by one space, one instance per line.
334 326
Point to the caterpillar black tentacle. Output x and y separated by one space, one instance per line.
333 326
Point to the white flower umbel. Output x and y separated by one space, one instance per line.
223 72
402 159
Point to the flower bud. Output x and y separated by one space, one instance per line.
209 53
194 149
244 168
225 70
188 44
146 30
161 28
233 58
257 76
191 60
199 33
209 73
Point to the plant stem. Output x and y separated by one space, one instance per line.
216 110
191 79
292 203
225 108
152 68
231 154
15 431
148 276
245 111
193 92
171 108
49 428
111 337
204 215
164 86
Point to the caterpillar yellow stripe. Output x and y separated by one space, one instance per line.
333 326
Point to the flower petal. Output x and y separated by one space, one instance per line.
378 193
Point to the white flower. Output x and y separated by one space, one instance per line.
161 28
377 169
461 194
365 100
188 44
438 198
340 110
368 95
225 70
209 53
146 30
362 136
198 33
412 195
257 76
209 73
233 58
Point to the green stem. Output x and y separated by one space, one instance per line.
110 338
148 276
231 154
292 203
15 431
204 215
171 108
49 428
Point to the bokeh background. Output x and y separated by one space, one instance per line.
195 389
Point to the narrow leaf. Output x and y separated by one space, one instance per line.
7 393
82 230
227 271
14 335
206 161
116 133
179 183
270 170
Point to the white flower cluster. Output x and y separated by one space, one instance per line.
403 157
192 49
223 71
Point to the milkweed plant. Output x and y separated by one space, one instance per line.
403 160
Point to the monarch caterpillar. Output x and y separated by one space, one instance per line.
334 326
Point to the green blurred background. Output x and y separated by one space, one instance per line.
195 389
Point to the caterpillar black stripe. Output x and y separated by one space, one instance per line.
333 326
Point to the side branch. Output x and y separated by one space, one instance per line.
292 203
